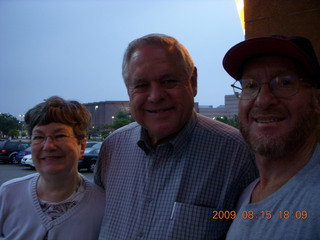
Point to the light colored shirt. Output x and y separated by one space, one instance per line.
292 212
170 192
57 209
21 216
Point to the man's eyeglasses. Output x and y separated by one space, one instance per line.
58 138
281 86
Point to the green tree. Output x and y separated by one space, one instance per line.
93 132
222 119
235 121
24 134
232 122
8 122
14 133
121 120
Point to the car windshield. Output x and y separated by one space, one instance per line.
25 151
92 151
97 145
28 149
90 144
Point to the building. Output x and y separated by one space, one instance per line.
104 112
229 110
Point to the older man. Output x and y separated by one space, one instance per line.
277 82
167 175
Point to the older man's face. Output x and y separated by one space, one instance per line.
161 95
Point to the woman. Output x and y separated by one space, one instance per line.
57 202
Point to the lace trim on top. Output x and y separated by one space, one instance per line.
57 209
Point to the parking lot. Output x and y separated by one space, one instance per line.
10 171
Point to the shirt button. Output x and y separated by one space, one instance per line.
149 200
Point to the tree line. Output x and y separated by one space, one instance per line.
11 127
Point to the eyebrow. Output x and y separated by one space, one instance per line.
163 76
60 129
168 75
138 80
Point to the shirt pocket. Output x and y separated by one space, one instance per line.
196 222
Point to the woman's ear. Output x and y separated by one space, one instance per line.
83 143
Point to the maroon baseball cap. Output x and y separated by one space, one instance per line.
298 48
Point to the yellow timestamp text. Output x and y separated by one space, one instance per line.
285 214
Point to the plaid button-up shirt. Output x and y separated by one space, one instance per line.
170 192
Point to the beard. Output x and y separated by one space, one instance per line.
275 146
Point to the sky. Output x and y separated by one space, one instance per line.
74 48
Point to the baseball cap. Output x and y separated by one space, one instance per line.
298 48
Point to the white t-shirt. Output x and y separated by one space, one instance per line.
292 212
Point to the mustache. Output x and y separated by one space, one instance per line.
258 112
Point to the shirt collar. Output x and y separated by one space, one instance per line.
178 144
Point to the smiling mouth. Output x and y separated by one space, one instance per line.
49 157
271 120
160 110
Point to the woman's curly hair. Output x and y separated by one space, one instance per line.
56 109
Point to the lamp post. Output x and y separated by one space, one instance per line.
94 115
21 124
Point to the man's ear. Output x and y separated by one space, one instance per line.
194 81
317 101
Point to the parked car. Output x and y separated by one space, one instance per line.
91 144
89 158
10 149
27 161
20 155
2 142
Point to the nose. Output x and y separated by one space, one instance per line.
49 143
265 97
156 93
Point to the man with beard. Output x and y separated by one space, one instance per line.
277 83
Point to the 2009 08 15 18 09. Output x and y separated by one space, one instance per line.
285 214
